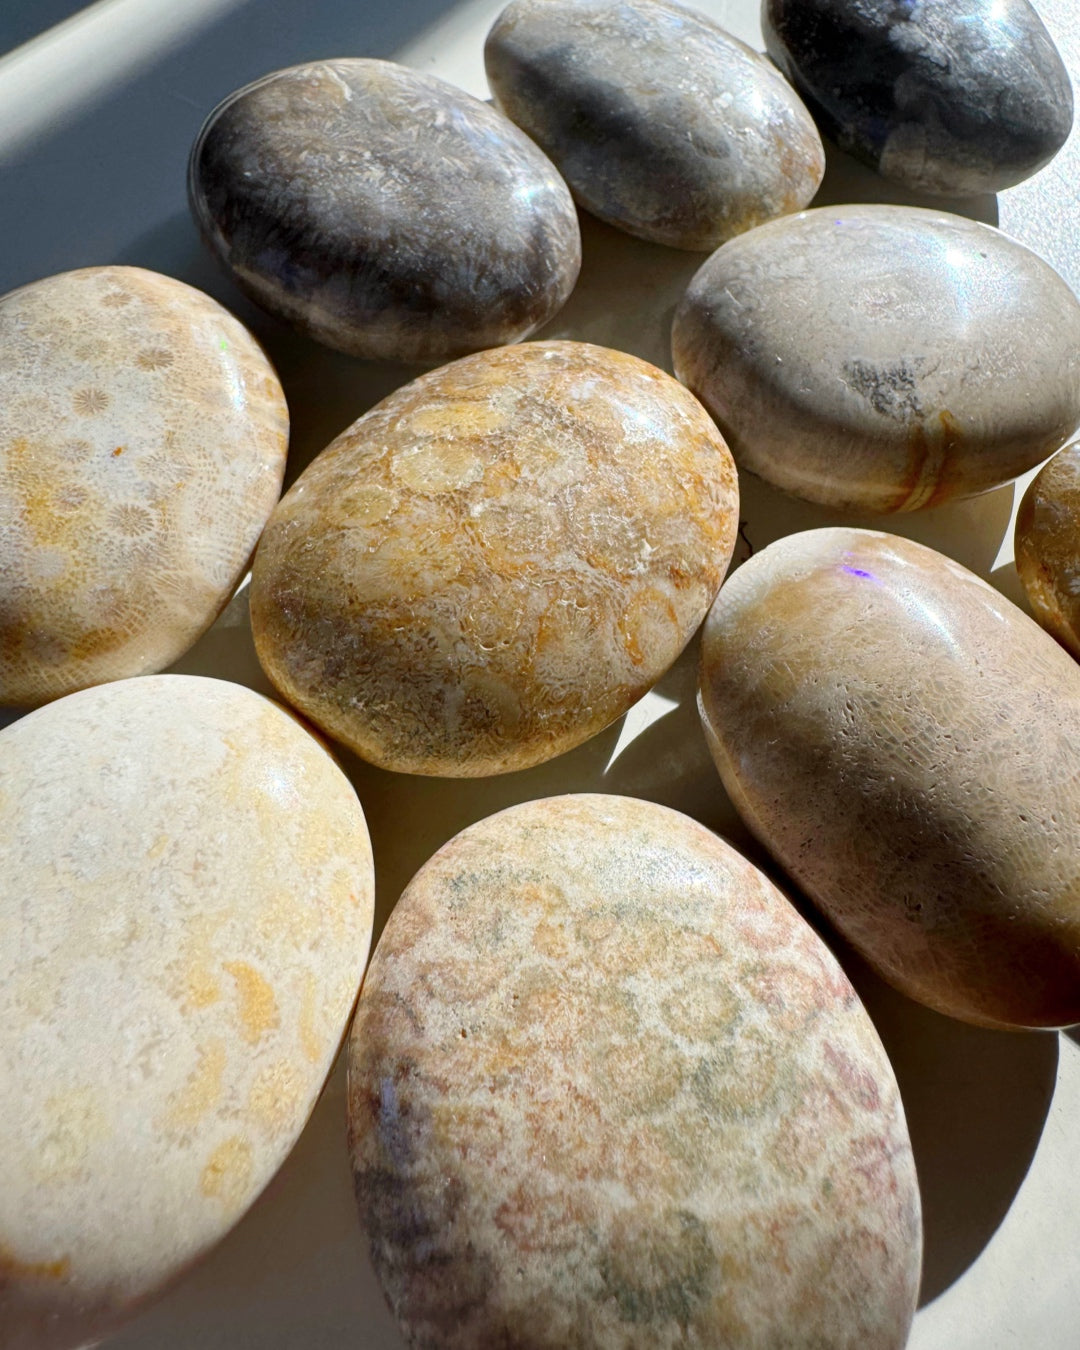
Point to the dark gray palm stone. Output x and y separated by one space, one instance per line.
882 358
385 212
945 96
662 124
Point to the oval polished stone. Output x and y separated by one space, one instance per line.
143 436
1048 546
608 1089
186 898
906 743
384 212
882 358
662 124
496 561
946 96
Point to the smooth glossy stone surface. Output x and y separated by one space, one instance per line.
186 895
661 123
882 358
906 743
1048 546
945 96
496 561
142 446
608 1089
385 212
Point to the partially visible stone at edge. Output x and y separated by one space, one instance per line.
143 436
186 901
949 97
1048 546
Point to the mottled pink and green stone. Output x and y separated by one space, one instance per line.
608 1089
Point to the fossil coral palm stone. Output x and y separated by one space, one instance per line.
662 124
142 447
497 560
906 742
1048 546
946 96
607 1089
384 211
185 911
882 358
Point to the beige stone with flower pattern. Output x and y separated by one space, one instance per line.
143 435
497 560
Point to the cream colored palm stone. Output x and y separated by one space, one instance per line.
143 435
186 900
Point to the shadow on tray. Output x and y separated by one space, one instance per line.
976 1103
295 1270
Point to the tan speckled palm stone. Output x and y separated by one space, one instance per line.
497 560
186 895
904 741
609 1091
142 447
1048 546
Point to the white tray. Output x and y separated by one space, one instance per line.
96 118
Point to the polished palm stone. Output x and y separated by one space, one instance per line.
882 358
609 1090
384 211
1048 546
496 561
946 96
143 435
662 124
186 892
906 743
